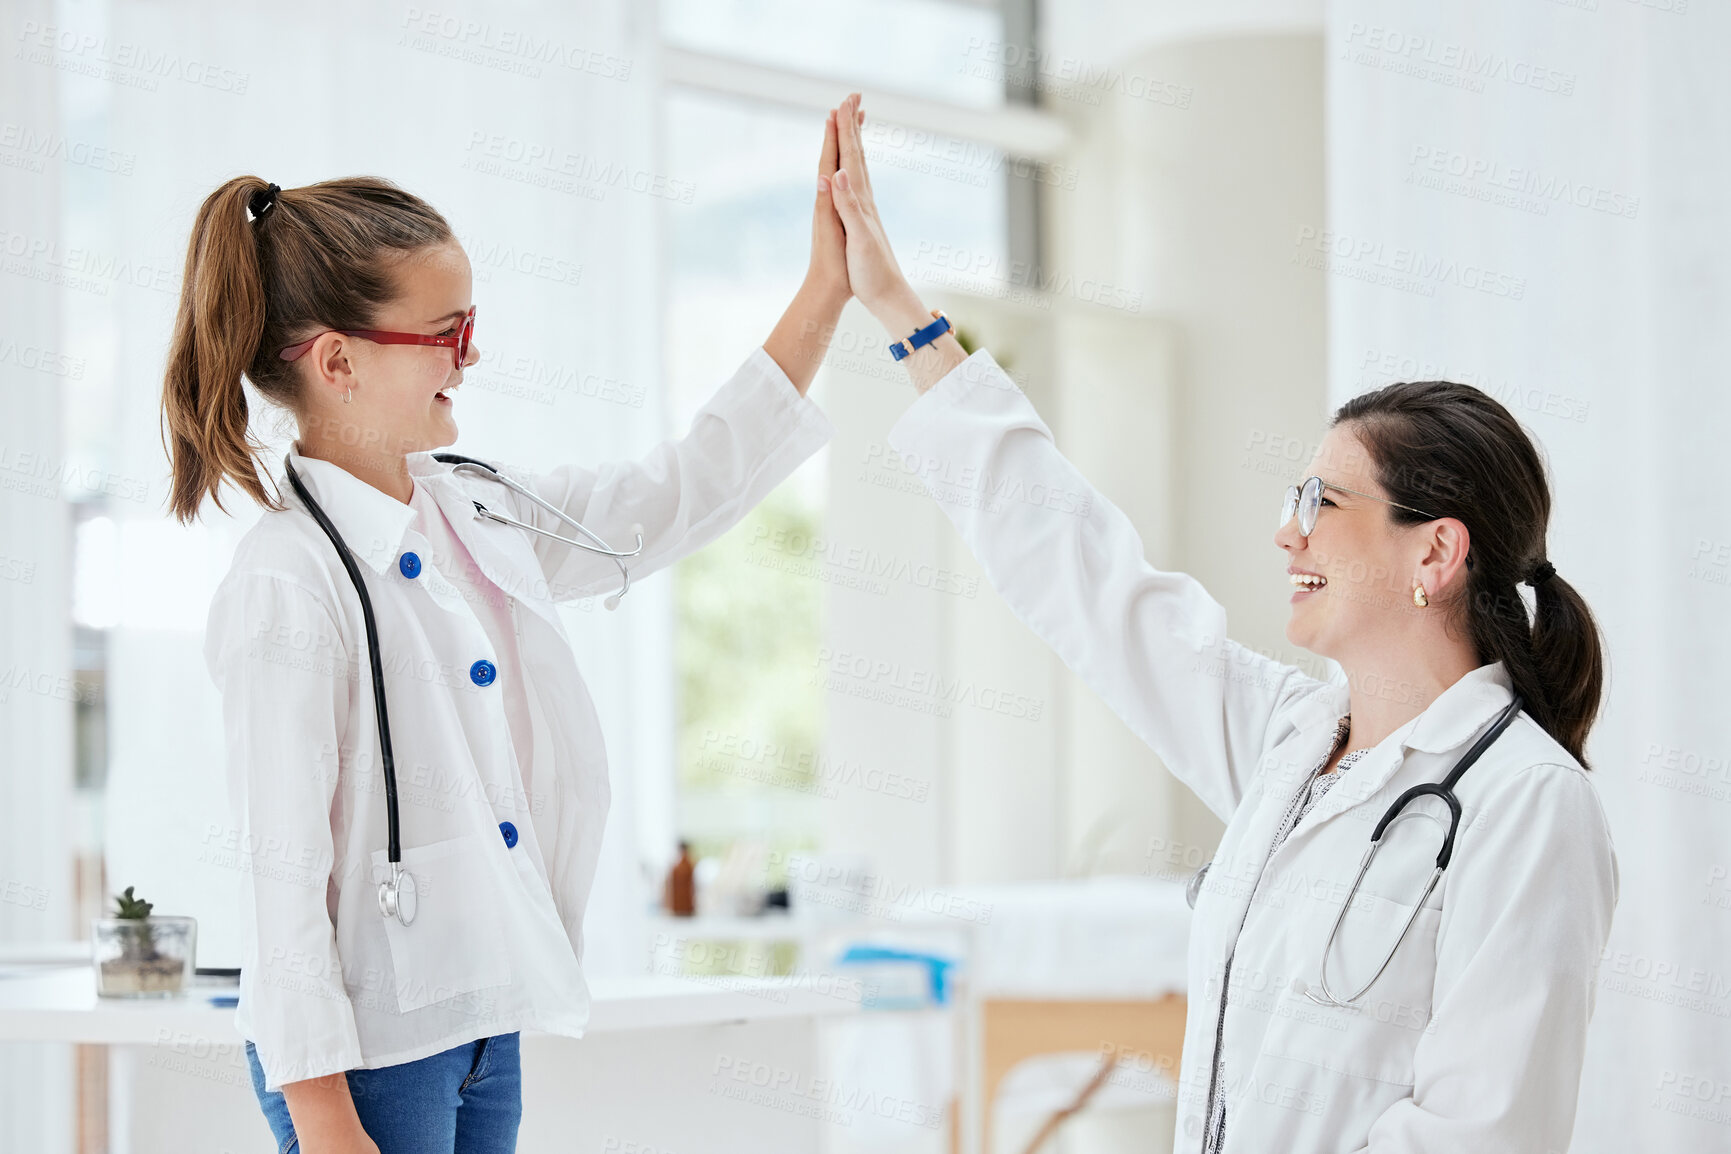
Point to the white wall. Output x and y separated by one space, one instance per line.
1177 353
1189 203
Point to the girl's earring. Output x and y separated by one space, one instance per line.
1418 597
346 397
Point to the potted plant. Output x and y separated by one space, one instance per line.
139 956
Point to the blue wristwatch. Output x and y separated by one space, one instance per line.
922 337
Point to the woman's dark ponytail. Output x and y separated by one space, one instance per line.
1566 643
1454 451
266 267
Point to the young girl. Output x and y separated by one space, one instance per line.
375 1026
1441 1000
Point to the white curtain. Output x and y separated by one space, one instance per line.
1532 197
531 127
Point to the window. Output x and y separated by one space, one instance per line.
751 607
938 49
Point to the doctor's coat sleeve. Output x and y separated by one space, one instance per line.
745 440
1526 913
278 659
1152 644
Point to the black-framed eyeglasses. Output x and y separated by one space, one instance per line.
1306 501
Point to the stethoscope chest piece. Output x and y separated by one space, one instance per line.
397 896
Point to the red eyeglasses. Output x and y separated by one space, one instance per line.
458 344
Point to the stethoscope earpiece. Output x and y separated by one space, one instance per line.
612 602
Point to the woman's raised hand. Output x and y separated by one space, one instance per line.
872 272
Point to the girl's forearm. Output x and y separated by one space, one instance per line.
801 338
324 1114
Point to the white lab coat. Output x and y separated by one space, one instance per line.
1472 1040
327 983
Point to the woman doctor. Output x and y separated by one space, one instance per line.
348 302
1406 562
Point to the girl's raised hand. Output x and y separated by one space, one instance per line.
801 337
827 274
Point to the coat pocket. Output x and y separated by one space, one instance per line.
1375 1037
456 944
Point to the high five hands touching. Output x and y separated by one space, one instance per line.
851 256
873 275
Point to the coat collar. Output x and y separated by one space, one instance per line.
505 553
1457 715
371 522
1461 710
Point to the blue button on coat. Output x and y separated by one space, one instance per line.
409 565
510 832
483 672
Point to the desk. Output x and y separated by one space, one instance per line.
661 1066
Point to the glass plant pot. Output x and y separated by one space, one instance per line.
143 957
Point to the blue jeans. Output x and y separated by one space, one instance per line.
465 1100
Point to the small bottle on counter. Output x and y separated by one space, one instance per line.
681 892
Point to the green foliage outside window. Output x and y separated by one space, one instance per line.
750 624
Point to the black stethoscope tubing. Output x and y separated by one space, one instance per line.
397 895
385 760
1443 789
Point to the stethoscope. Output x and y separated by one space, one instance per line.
397 898
458 463
1395 814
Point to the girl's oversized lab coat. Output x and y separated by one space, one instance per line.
1473 1037
327 982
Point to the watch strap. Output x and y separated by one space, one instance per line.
920 338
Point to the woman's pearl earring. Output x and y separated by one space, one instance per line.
1418 597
